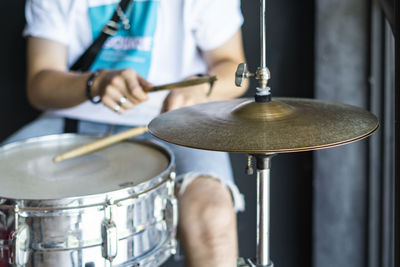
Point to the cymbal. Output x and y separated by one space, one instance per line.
279 126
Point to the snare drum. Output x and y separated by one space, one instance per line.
116 205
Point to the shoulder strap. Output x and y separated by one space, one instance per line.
87 58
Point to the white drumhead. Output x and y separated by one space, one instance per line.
27 170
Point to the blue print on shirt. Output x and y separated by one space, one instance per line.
130 48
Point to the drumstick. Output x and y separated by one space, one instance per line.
102 143
86 149
185 83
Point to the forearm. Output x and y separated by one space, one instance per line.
50 89
223 62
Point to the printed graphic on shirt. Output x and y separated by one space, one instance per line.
129 48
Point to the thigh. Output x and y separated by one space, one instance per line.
202 162
195 161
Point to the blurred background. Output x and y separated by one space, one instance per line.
328 208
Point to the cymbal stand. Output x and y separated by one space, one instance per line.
263 164
263 92
263 161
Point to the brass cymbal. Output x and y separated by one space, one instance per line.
280 126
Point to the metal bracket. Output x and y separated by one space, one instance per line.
262 75
20 242
171 185
111 28
123 18
171 210
109 233
171 217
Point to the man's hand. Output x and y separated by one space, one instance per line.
120 90
222 62
179 98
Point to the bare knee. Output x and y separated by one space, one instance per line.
207 224
206 210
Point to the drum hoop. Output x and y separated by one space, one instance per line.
146 186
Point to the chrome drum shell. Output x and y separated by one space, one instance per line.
138 222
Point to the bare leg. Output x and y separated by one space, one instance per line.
207 224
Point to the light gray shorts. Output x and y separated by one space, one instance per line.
190 163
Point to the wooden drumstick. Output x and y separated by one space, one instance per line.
102 143
185 83
110 140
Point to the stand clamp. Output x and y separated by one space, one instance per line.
263 92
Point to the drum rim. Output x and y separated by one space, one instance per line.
98 199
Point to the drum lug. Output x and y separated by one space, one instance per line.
20 241
171 217
110 240
171 213
171 210
171 184
109 233
20 251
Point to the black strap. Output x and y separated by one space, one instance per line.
70 125
86 59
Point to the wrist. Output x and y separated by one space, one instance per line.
91 84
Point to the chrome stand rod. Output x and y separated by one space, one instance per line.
263 93
263 210
263 35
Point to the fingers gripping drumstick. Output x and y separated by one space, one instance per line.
102 143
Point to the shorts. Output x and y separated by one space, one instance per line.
190 163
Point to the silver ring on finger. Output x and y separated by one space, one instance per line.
122 100
117 108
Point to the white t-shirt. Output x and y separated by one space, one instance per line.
163 44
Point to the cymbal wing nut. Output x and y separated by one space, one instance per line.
241 74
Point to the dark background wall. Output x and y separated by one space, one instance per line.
14 108
290 26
